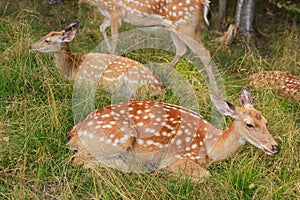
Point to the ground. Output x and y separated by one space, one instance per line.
36 110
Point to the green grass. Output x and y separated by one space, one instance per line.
36 113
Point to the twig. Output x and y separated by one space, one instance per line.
44 192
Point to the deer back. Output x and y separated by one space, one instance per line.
280 82
150 133
167 13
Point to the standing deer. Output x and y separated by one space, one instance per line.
281 82
182 18
107 70
139 136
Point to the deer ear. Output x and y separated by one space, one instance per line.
246 97
224 107
70 31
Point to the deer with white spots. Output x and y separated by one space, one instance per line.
107 70
280 82
140 136
182 17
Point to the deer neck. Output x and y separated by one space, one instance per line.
67 62
228 143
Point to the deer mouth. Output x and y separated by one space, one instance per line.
275 150
32 50
267 151
36 50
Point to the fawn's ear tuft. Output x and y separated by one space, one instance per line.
246 98
70 31
73 26
223 106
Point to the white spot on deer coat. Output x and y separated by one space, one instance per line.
178 142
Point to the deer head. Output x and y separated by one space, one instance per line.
249 125
54 41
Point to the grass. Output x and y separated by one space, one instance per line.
36 113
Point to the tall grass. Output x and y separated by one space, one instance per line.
36 114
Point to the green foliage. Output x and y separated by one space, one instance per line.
36 114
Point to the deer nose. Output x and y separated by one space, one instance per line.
275 148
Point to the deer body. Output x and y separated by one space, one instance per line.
139 136
281 82
180 17
107 70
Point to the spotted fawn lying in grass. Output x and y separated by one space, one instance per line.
140 136
281 82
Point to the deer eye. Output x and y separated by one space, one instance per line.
250 125
47 40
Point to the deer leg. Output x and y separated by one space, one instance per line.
116 22
180 48
103 27
182 41
189 167
84 160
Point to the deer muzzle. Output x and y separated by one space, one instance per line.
274 150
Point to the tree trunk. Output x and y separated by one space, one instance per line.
245 17
222 14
